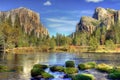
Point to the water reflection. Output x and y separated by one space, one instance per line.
107 58
25 62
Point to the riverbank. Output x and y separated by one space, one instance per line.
76 49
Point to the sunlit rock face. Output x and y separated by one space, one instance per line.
28 20
87 24
101 18
106 16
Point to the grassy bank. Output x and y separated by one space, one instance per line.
100 49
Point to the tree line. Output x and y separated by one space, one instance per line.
14 36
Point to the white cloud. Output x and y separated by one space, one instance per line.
65 29
55 25
62 20
47 3
62 25
95 1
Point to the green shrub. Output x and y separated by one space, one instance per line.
104 67
70 70
40 66
47 75
36 71
57 68
3 68
114 76
109 45
84 77
69 64
87 65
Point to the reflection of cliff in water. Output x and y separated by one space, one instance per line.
26 61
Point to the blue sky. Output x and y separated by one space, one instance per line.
60 16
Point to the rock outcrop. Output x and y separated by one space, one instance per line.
101 18
87 24
29 21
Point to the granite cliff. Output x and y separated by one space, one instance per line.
101 18
29 21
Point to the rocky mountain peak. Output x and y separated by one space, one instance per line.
29 21
100 13
101 18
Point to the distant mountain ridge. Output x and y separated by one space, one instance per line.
101 17
29 21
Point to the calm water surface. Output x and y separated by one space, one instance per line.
26 61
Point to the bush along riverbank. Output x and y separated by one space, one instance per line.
82 71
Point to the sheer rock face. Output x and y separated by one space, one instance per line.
87 24
28 20
106 16
102 17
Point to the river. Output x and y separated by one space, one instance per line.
25 62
